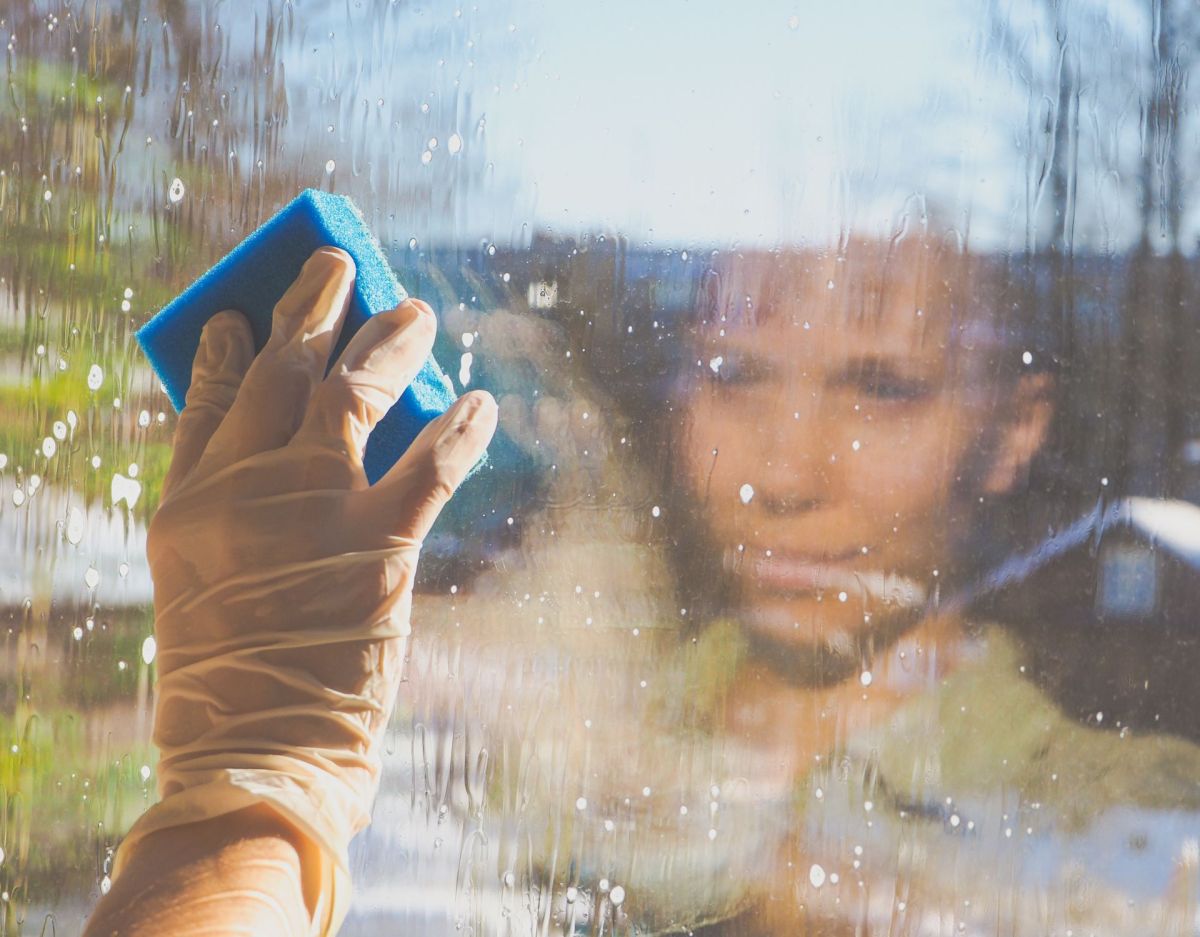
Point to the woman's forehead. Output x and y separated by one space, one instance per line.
872 300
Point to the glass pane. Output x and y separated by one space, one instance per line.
835 565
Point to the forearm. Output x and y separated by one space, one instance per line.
240 873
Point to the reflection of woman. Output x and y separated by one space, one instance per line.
846 422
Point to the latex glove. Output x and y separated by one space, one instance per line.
282 582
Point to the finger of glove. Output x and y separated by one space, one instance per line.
404 503
275 393
224 356
376 367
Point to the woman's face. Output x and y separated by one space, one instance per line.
837 440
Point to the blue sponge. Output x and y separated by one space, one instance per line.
253 278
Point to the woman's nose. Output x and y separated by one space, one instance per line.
796 474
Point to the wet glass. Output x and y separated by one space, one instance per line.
835 566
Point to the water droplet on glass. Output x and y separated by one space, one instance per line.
175 192
468 339
816 875
49 447
91 578
105 885
1027 357
617 895
464 368
572 894
656 511
866 678
715 364
746 493
454 143
95 377
145 772
330 166
74 526
581 803
125 489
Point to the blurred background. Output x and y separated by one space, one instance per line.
556 180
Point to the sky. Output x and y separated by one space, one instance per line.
691 121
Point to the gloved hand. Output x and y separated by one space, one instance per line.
282 581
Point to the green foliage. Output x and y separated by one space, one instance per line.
54 783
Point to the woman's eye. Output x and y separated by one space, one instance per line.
893 390
873 383
730 372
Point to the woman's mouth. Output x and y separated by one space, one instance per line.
841 575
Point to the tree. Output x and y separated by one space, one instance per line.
1106 63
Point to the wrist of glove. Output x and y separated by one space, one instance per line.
282 581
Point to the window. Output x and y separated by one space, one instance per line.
836 562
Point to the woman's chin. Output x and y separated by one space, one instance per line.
804 621
810 641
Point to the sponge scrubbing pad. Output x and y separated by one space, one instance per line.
253 278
